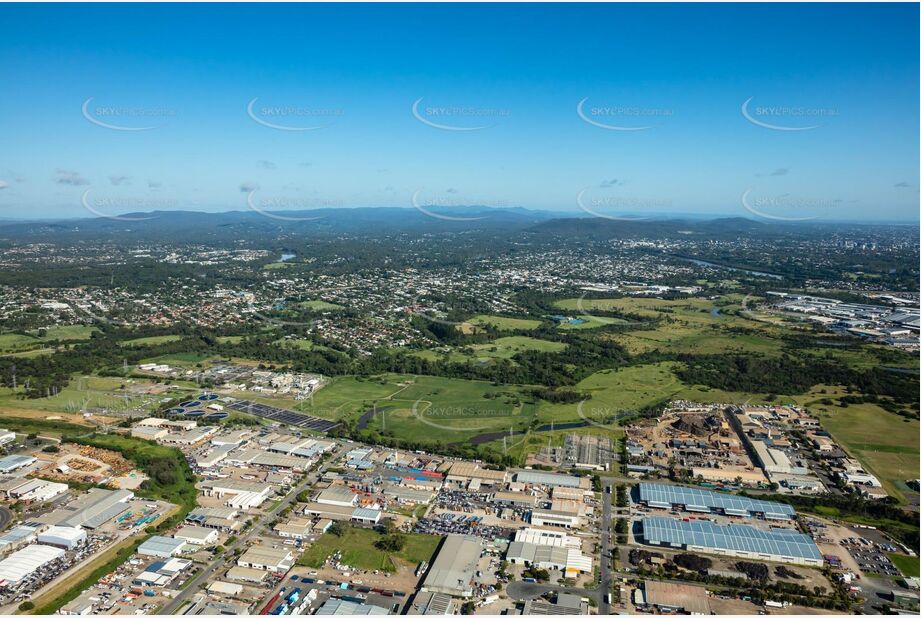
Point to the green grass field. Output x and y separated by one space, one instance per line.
886 444
82 392
319 305
132 343
276 265
33 339
180 359
501 348
613 392
503 323
357 547
908 565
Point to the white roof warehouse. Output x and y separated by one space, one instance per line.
26 561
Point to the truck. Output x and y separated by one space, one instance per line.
769 603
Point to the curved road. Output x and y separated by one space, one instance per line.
6 516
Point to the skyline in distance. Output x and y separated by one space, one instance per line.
611 109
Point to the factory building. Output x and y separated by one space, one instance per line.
338 496
64 537
571 562
161 547
37 490
266 559
162 572
197 535
662 496
91 510
543 536
453 569
341 607
552 479
469 474
514 498
27 561
222 519
17 537
547 517
240 495
735 540
11 463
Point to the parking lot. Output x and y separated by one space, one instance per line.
449 523
869 557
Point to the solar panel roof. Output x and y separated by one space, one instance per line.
732 537
658 493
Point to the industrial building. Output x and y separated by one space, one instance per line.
470 474
11 463
547 517
454 567
37 490
569 561
161 546
6 436
408 495
17 537
266 559
772 460
366 516
61 536
341 607
162 572
736 540
91 510
552 479
197 535
223 519
662 496
542 536
430 604
514 498
242 495
27 561
338 496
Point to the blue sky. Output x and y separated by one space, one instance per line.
666 82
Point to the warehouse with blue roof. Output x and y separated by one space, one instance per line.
662 496
736 540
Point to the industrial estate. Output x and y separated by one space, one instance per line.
459 309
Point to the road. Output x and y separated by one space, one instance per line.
256 530
607 550
6 516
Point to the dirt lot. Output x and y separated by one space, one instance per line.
739 607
